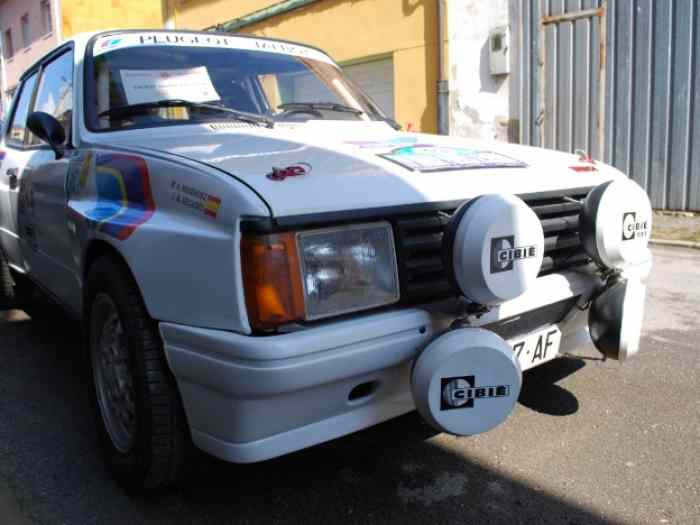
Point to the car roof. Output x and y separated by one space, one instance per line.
79 41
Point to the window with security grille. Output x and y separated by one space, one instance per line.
26 36
7 44
46 21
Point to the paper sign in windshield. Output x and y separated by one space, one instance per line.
192 84
428 157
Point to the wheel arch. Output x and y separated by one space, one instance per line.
94 250
154 455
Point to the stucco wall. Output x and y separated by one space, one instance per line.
75 16
198 14
351 31
478 101
11 11
92 15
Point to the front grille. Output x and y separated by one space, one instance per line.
419 244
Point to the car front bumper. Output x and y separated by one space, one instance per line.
249 399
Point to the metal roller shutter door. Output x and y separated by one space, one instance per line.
376 78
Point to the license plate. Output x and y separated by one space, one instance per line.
537 347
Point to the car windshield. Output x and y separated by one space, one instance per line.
152 79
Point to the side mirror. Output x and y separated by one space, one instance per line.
48 129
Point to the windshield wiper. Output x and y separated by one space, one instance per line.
330 106
134 109
389 121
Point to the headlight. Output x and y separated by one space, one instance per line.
318 273
347 269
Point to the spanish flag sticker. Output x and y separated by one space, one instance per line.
211 206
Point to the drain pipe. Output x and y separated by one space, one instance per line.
443 85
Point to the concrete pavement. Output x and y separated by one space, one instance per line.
591 441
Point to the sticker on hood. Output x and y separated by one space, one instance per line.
428 157
406 152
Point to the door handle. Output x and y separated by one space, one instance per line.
12 177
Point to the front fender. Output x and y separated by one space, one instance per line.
176 224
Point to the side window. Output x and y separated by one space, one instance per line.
55 94
16 129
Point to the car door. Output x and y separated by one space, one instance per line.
15 156
48 247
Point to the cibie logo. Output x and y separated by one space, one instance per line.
504 253
462 392
633 229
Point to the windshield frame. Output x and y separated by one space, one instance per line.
89 95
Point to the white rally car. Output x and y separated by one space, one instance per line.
263 262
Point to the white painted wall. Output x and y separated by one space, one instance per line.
478 100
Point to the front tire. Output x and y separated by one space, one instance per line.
142 423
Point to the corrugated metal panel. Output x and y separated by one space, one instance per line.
650 85
565 81
376 78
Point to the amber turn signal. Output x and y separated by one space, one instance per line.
272 280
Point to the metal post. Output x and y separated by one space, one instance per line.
443 103
443 85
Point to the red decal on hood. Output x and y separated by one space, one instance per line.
296 170
579 169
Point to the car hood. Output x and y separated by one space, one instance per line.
349 165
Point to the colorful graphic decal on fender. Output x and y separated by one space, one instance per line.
2 155
434 157
195 199
124 198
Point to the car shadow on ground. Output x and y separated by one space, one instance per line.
394 472
541 393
